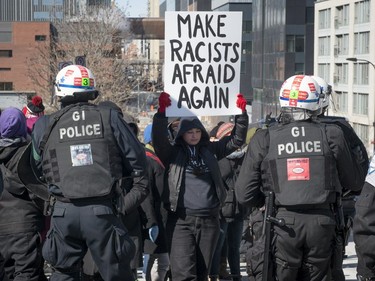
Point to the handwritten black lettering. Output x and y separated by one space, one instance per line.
206 27
217 96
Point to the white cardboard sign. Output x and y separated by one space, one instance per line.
202 62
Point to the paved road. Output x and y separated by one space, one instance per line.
350 264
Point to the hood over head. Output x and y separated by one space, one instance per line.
12 124
188 123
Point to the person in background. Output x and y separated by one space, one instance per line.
364 227
155 246
213 131
21 211
68 146
196 189
33 110
305 164
231 214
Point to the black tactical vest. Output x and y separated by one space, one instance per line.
357 148
12 182
300 167
81 156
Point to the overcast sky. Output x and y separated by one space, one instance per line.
134 8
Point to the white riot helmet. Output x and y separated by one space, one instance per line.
326 90
75 83
301 92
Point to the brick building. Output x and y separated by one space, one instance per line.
18 42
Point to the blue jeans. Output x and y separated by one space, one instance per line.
193 241
232 231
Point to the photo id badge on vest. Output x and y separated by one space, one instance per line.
81 155
298 169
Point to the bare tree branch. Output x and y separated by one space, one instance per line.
98 35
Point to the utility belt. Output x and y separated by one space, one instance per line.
305 207
361 278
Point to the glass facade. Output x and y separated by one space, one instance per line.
43 10
282 46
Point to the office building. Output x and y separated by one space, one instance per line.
282 46
244 6
45 10
18 42
344 58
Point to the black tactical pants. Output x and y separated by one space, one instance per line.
21 256
303 247
193 242
76 227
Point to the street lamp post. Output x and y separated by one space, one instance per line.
373 65
356 60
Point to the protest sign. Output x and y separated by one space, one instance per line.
202 62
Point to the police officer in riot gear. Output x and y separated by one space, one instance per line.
346 210
306 164
84 152
364 227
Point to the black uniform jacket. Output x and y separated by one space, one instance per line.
249 183
154 212
20 210
132 151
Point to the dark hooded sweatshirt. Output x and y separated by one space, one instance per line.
194 179
20 210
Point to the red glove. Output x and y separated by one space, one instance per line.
241 102
164 101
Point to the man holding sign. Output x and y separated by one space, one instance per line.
202 56
196 190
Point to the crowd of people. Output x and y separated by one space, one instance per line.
85 199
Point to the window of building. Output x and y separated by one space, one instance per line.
310 15
247 47
295 43
324 45
342 44
5 68
324 18
6 86
324 70
52 2
290 44
361 131
360 103
40 37
247 26
5 36
342 16
6 53
299 68
341 73
341 101
41 15
300 43
360 73
362 12
95 2
361 42
243 67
